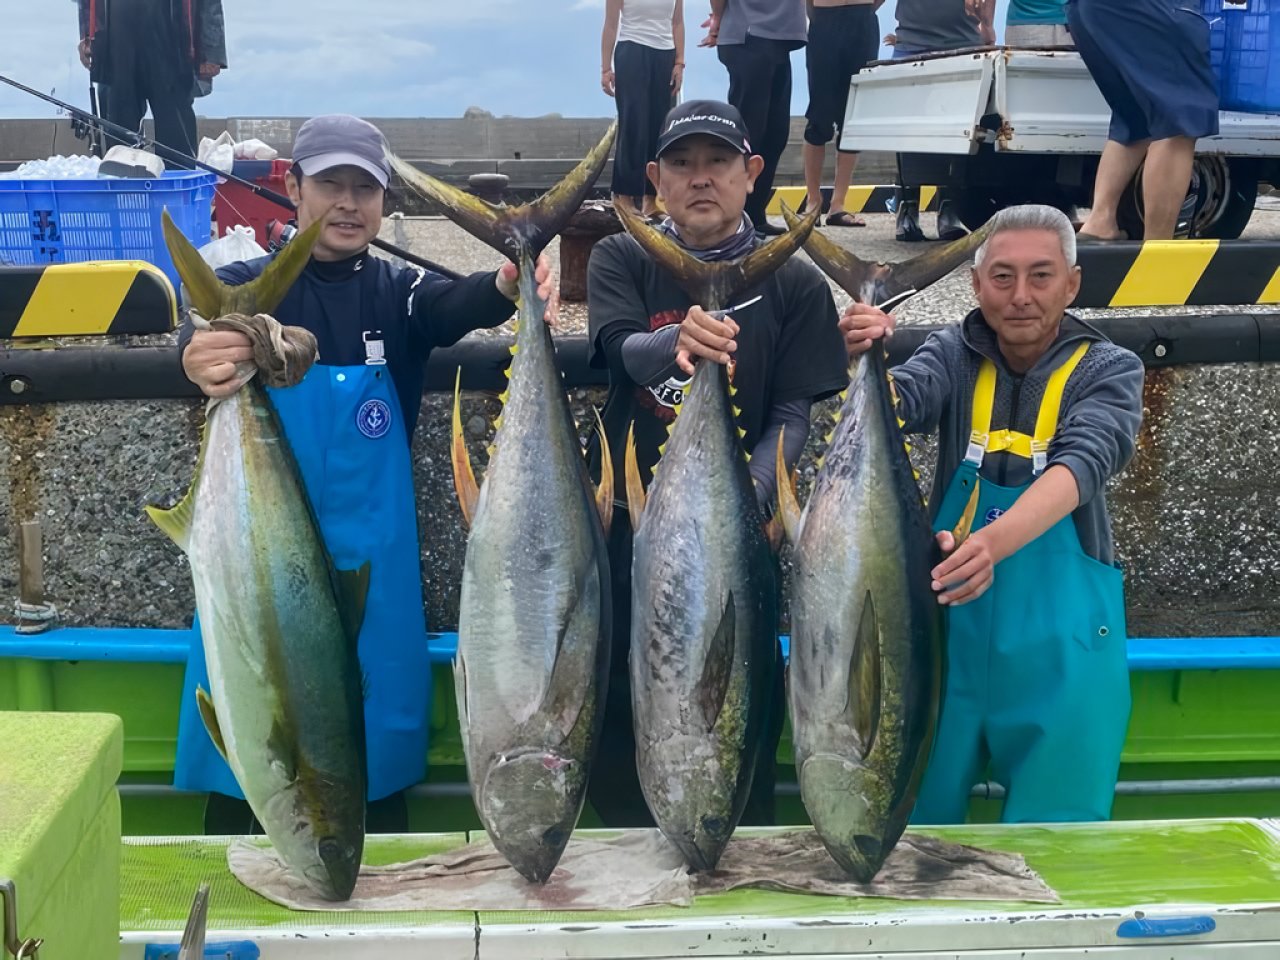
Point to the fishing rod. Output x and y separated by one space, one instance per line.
132 138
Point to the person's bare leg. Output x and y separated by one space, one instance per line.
813 157
1165 179
846 163
1116 168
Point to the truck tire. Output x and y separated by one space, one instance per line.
1225 188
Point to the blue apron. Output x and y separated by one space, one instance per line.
353 453
1037 679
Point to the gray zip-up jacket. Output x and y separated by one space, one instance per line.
1097 424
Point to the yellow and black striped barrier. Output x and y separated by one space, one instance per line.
1163 273
862 198
85 299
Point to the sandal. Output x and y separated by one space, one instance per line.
843 218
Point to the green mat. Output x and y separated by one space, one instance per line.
159 877
1091 866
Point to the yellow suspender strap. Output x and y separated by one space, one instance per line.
1035 448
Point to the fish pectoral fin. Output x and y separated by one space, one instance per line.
210 718
635 486
176 521
713 687
353 594
576 650
788 502
460 688
282 751
464 478
604 492
866 680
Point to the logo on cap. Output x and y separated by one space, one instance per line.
373 419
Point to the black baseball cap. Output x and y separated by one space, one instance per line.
712 117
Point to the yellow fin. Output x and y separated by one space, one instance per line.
464 478
176 521
788 503
965 524
604 491
635 487
210 719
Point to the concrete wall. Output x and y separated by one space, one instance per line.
534 152
1195 514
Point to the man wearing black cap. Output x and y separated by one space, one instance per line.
350 423
786 346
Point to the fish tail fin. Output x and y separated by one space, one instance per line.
464 478
604 491
211 298
711 283
869 282
516 231
635 487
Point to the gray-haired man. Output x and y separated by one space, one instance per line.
1036 410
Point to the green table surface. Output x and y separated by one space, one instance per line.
1227 863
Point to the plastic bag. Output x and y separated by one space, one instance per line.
254 149
219 154
238 245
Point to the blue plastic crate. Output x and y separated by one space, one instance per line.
1245 51
70 221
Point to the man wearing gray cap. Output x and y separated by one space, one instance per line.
350 423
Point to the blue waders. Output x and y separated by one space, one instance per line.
353 453
1037 679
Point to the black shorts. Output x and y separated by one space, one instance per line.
841 41
1150 59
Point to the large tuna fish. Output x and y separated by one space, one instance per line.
866 627
279 624
704 621
534 616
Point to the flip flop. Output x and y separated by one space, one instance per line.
843 218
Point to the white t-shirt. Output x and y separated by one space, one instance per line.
647 22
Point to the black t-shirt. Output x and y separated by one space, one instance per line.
789 345
936 25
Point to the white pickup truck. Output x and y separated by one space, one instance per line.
1007 126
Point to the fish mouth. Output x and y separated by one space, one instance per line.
334 877
531 834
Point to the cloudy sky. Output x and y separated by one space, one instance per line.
380 58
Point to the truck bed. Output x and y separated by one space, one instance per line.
1019 101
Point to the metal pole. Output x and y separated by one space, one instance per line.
132 138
